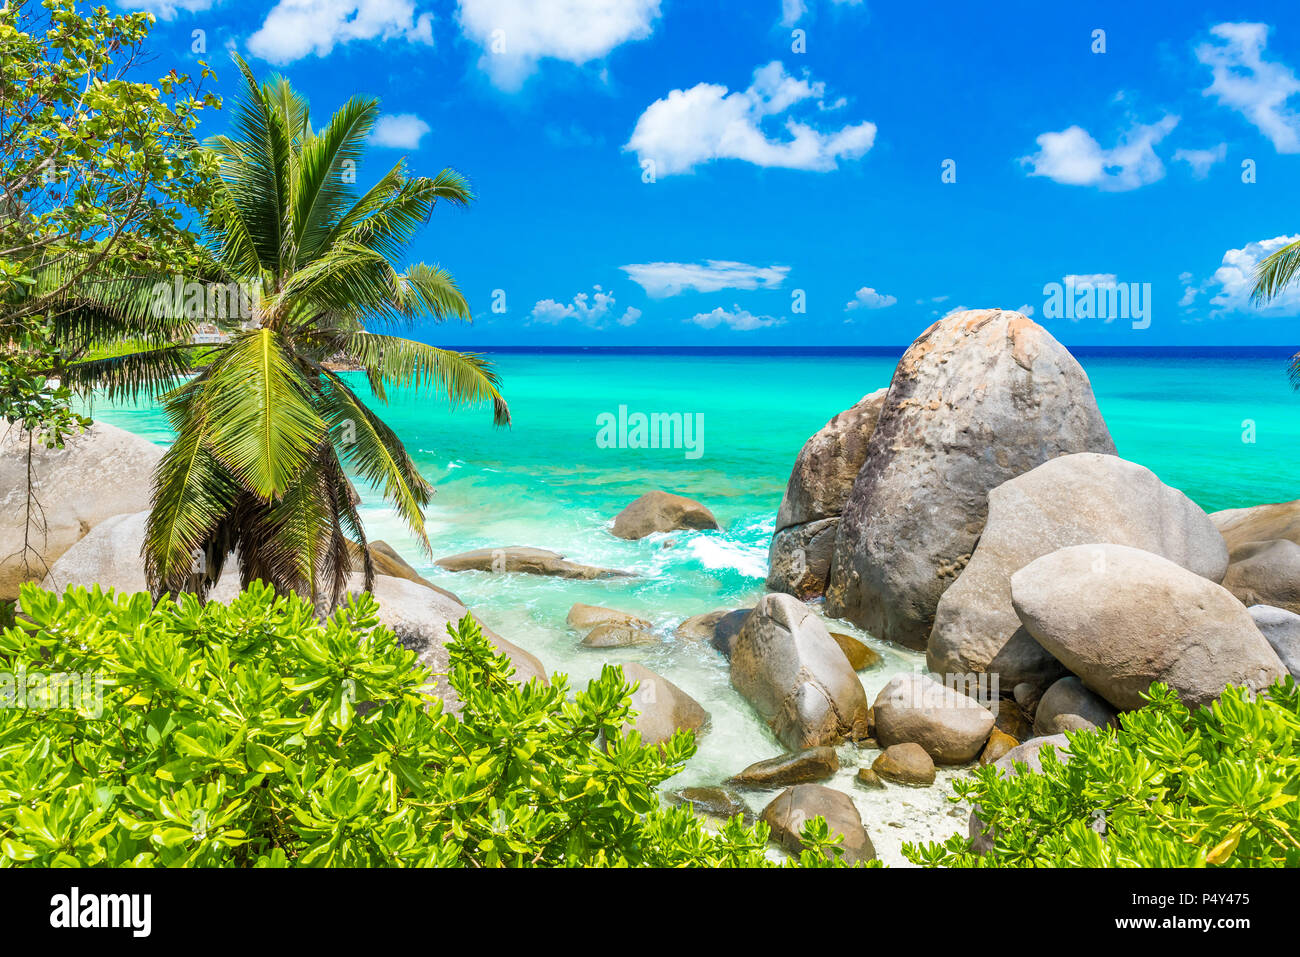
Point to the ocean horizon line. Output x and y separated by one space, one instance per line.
1196 351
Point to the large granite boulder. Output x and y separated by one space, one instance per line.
527 560
794 807
1259 523
98 474
799 559
1281 629
659 511
1266 573
1070 500
1069 706
981 397
1121 618
790 669
914 708
662 707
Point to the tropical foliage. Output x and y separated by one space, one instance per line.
1273 274
1170 788
100 176
258 735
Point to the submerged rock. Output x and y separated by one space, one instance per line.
950 726
1121 618
980 397
525 559
789 668
721 803
660 511
799 558
796 767
1071 500
589 616
99 474
795 806
617 635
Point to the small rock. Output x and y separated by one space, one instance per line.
795 806
860 655
589 616
660 511
1281 629
796 767
869 779
662 707
950 726
1069 706
716 802
999 743
618 636
527 560
905 764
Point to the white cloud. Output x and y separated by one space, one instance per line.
1074 158
590 310
669 279
1233 282
516 34
298 28
401 131
166 9
1256 88
707 122
793 10
1201 160
738 320
1026 310
1098 280
868 298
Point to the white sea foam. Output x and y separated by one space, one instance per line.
721 554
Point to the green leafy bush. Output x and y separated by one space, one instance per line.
257 735
1169 789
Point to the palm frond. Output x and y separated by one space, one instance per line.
1275 272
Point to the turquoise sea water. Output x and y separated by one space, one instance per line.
547 482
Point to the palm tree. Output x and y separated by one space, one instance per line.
265 429
1273 274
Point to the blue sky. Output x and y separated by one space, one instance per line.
665 172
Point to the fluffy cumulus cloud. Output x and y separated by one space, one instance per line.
1202 160
868 298
298 28
1229 289
401 131
1074 158
669 279
594 310
708 122
1245 81
515 35
166 9
735 319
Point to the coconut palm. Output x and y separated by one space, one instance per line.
1273 274
265 429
